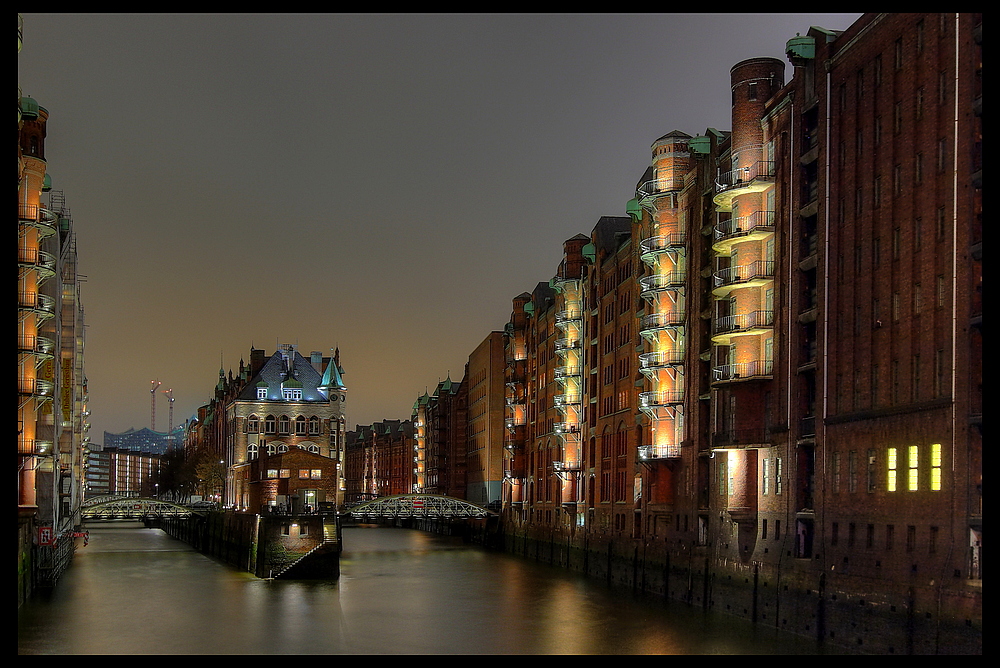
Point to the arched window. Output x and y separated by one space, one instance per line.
314 425
269 424
252 450
282 447
283 424
253 424
300 426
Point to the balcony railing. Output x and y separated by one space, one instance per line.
567 372
39 217
563 345
743 370
762 169
653 452
660 360
39 259
650 248
566 399
744 273
569 317
673 280
663 186
667 398
35 387
744 321
734 228
664 320
43 305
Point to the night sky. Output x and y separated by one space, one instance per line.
382 183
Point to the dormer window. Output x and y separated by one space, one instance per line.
291 394
262 393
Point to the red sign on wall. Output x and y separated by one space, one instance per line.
46 536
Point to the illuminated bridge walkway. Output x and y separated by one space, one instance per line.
132 508
418 506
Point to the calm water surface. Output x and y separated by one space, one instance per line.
138 591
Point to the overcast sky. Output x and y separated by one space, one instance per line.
382 183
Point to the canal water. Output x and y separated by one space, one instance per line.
137 591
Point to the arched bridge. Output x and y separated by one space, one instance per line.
133 508
429 506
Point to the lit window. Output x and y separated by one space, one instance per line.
272 473
316 474
936 467
303 474
286 473
913 479
891 465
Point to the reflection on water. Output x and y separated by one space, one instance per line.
138 591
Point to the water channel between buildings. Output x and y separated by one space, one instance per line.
137 591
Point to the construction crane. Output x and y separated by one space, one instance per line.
170 415
152 404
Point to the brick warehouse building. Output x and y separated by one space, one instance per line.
761 392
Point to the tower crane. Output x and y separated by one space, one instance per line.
152 404
170 415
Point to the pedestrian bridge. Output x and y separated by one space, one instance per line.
132 508
420 506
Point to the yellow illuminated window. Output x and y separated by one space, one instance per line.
913 479
936 467
891 481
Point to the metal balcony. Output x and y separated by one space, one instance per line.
569 318
35 387
566 399
566 428
755 322
659 452
658 399
659 187
652 285
756 273
42 305
42 219
42 347
757 177
757 225
660 360
757 369
650 324
565 373
566 345
32 258
650 249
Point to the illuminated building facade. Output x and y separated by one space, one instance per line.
280 404
778 371
51 387
115 471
